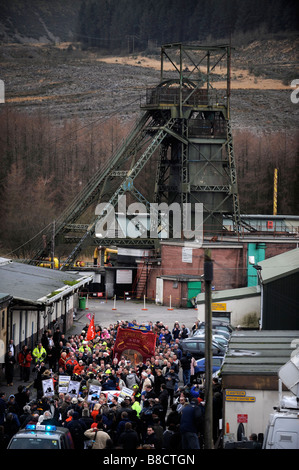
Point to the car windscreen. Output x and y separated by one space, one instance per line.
34 443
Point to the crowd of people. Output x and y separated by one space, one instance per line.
164 410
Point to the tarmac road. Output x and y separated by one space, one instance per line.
104 314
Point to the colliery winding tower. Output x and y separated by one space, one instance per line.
186 121
197 161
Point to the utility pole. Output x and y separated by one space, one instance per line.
208 277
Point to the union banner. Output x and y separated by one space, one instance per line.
135 345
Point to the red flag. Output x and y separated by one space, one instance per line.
91 330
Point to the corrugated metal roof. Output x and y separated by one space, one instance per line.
4 297
230 294
35 284
259 352
280 266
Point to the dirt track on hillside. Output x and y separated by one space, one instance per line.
90 88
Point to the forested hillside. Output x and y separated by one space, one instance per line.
69 105
116 25
113 24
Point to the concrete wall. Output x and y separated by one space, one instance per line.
245 312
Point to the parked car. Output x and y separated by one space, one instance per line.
35 436
219 337
219 331
219 323
218 326
196 347
201 365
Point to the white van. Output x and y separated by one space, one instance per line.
282 431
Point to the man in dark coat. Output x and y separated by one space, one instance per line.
9 361
191 424
3 407
163 399
77 431
129 438
186 364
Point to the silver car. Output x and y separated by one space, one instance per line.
42 437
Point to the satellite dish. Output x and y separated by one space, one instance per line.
289 374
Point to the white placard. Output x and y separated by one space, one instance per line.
124 276
48 387
94 393
186 255
63 383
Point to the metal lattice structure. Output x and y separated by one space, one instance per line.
186 121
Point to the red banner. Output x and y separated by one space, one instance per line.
91 330
133 344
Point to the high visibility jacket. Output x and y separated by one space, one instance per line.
137 407
39 354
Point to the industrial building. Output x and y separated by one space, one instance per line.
250 379
38 298
184 129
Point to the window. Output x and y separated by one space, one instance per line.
192 346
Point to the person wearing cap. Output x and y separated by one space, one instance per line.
86 419
98 436
75 406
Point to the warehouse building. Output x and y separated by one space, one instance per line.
40 299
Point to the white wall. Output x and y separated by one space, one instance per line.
243 311
258 412
25 324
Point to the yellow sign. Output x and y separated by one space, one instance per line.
219 306
239 393
234 398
